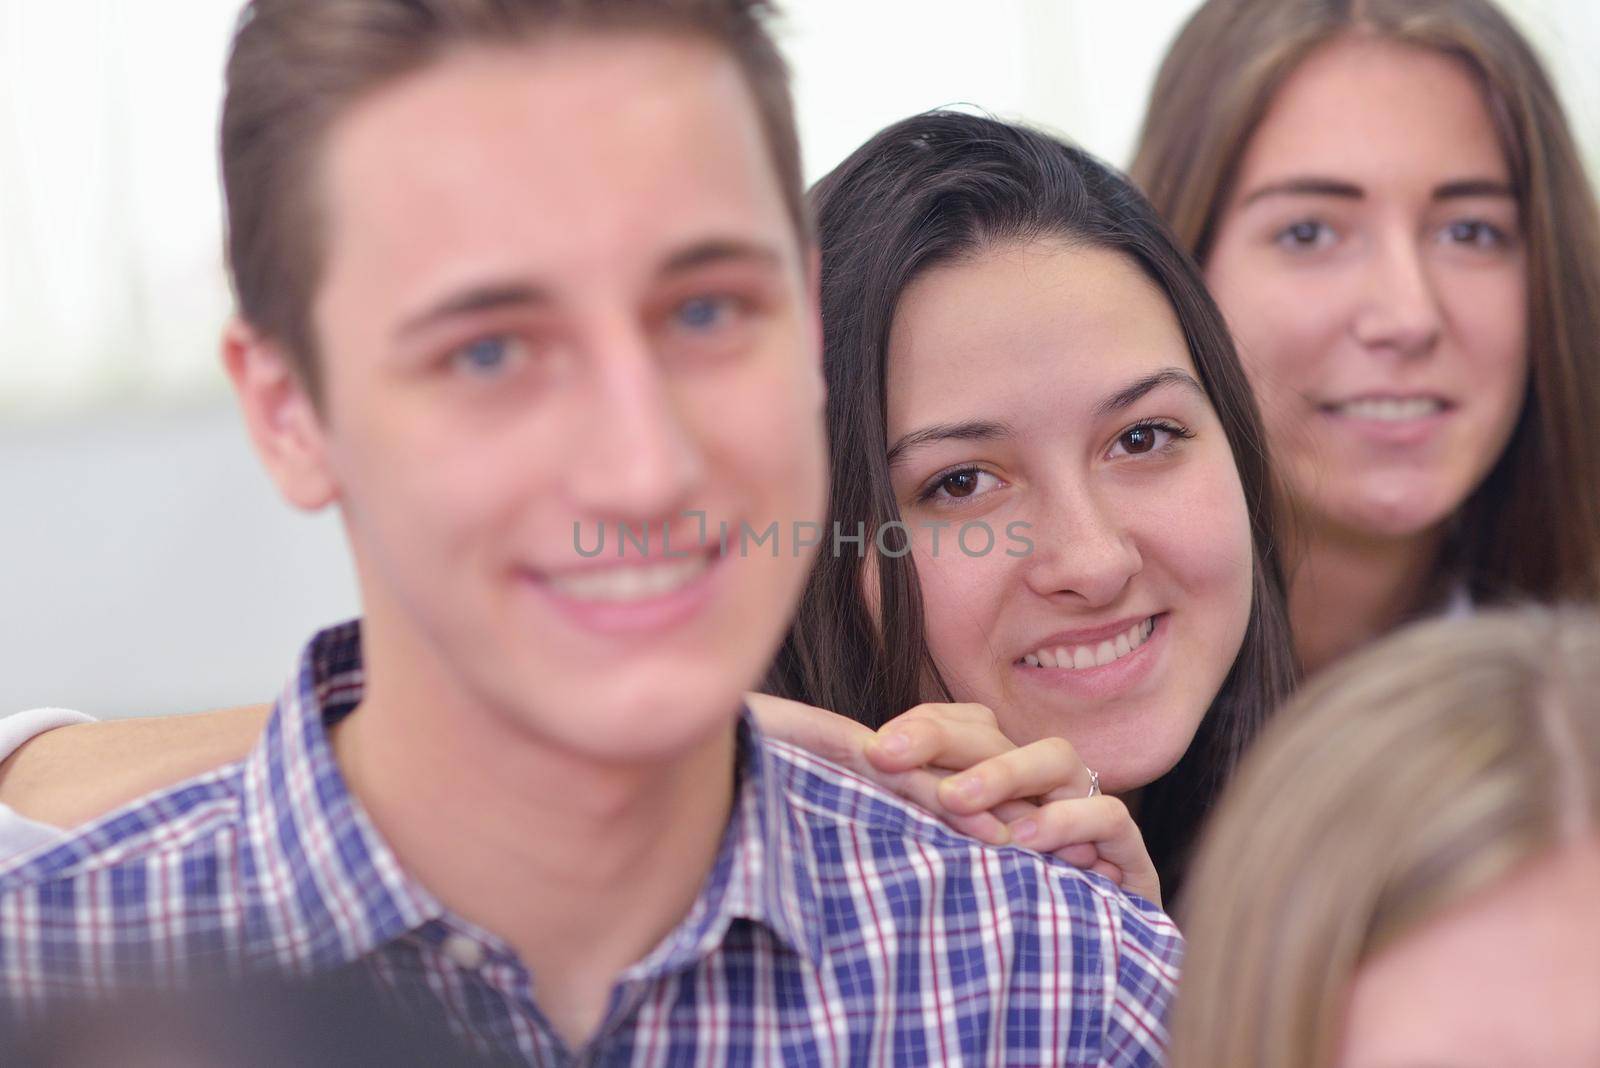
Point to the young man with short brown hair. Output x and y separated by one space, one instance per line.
504 267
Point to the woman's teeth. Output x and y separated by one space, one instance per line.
1390 409
1078 657
630 582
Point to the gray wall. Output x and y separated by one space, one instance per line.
148 565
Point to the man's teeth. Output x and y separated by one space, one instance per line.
633 582
1390 409
1078 657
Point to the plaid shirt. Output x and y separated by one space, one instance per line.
837 926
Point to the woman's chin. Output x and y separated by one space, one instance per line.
1391 513
1126 765
1137 778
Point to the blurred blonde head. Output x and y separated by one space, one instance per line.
1410 776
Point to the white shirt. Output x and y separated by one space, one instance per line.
18 834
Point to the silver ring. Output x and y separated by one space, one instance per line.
1094 782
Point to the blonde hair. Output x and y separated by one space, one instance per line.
1532 528
1408 776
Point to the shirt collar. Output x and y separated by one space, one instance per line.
761 873
324 863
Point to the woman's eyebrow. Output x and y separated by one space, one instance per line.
971 430
1335 187
1306 186
1130 394
1474 187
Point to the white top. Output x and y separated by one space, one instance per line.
18 834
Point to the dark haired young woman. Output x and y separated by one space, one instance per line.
1013 337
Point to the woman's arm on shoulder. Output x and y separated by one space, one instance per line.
953 761
69 775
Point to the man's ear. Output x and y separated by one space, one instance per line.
281 417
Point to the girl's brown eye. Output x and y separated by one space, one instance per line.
959 483
1139 439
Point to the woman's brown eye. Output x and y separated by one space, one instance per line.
1139 439
960 483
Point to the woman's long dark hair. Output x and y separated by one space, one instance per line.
923 192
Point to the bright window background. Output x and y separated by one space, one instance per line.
145 563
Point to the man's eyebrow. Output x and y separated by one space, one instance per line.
720 250
1307 186
1131 393
490 296
971 430
1474 187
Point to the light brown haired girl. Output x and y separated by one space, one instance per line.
1391 210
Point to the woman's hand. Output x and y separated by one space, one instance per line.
952 760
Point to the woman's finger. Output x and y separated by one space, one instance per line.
954 735
959 711
826 734
1034 770
843 741
1103 823
1118 876
920 786
1009 812
1083 855
955 745
1057 824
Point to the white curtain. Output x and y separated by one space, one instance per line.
111 281
1081 67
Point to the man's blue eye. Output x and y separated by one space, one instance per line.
701 313
485 354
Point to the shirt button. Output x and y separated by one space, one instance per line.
464 951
